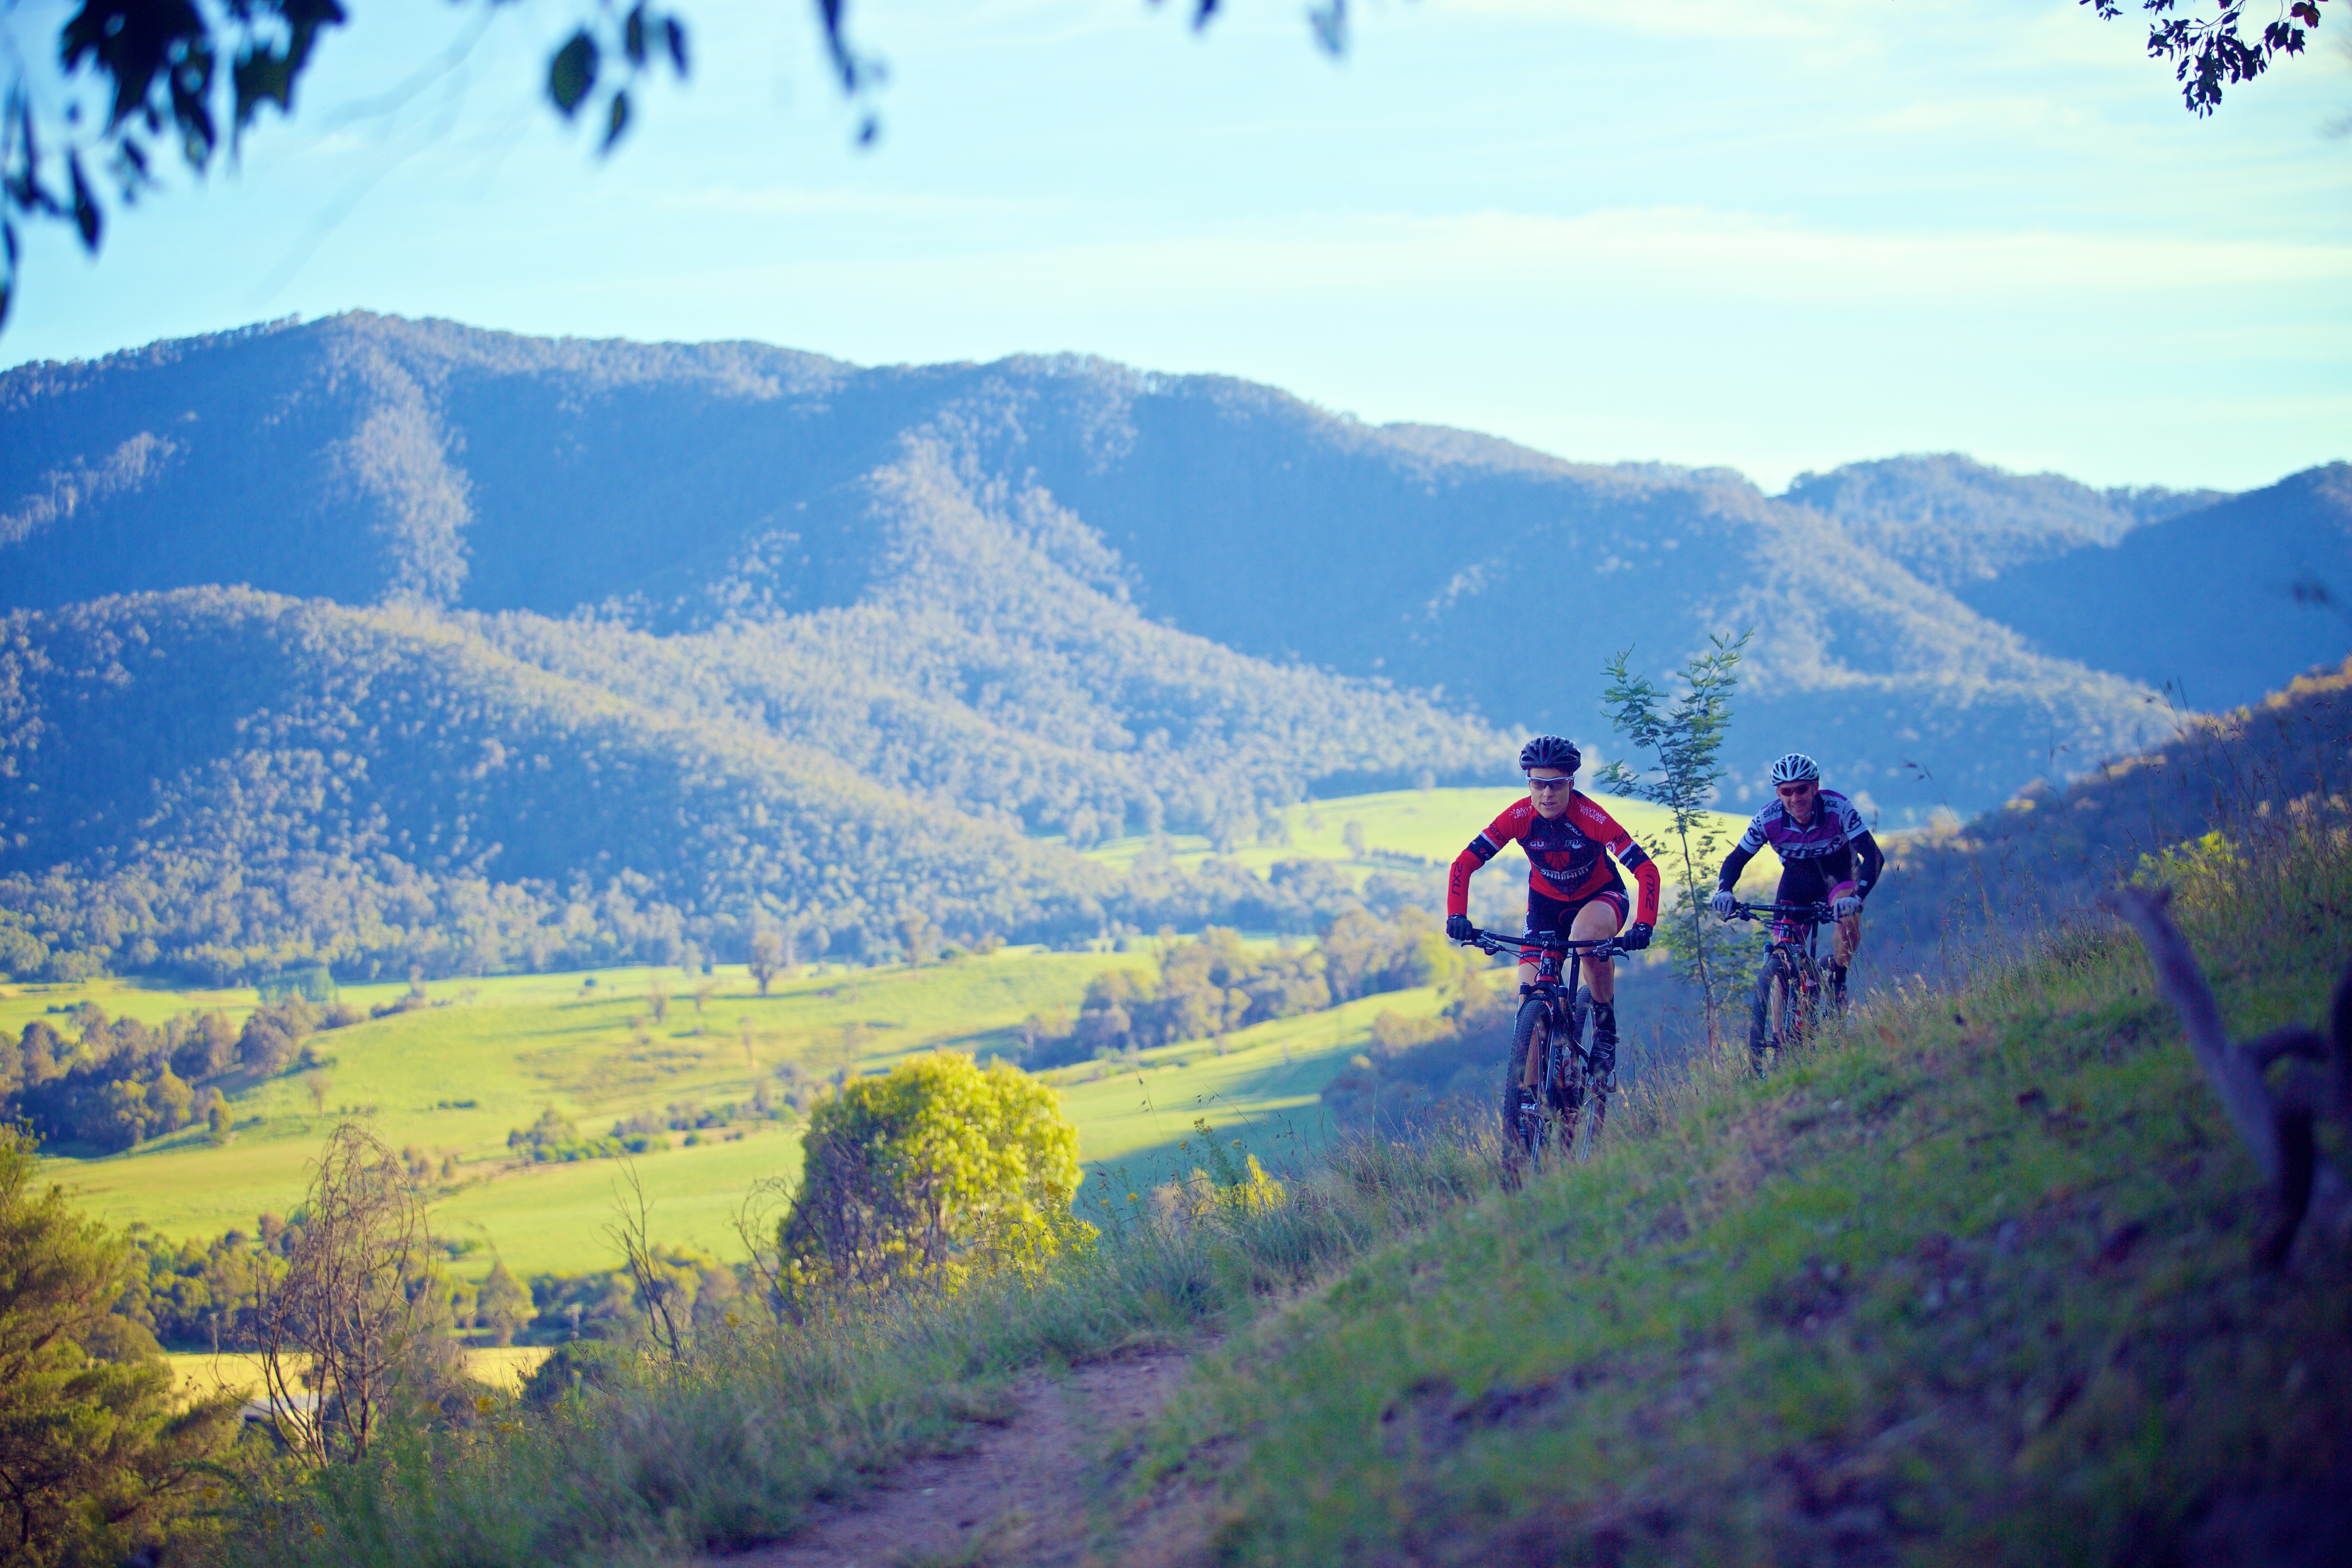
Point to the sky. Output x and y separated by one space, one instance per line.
1777 235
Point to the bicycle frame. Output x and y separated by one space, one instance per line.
1790 964
1566 1064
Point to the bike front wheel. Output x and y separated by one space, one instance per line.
1524 1113
1769 1011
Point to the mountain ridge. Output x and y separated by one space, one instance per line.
1049 596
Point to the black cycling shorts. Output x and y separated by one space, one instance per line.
1556 916
1815 880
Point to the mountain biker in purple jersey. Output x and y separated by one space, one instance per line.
1827 856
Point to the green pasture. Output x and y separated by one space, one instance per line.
487 1056
451 1079
1405 829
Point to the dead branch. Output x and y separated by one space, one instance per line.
655 1290
336 1334
2278 1126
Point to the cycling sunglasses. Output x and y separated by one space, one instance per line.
1533 782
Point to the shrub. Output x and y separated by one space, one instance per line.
925 1177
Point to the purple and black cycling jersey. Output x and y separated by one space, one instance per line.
1833 847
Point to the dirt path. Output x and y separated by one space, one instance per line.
1037 1491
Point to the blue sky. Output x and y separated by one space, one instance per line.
1777 234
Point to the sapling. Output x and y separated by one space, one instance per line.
1685 732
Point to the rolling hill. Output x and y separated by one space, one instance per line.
684 488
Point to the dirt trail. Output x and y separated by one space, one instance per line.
1037 1491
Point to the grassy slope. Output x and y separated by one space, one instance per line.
1971 1286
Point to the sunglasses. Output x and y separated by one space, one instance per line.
1795 791
1546 785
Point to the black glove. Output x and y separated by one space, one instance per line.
1636 937
1459 929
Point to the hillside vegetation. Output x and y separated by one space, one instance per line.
683 489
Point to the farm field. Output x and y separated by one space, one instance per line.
451 1079
200 1373
448 1081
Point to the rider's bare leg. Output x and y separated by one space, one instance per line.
1595 920
1845 935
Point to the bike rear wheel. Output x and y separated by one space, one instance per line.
1570 1079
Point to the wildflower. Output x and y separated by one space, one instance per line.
212 1494
485 1404
318 1529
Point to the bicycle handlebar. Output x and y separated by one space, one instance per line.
1819 914
1492 942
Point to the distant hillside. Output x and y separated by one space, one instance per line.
2054 848
741 493
212 780
1954 521
2223 604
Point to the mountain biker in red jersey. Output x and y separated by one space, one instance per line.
1572 887
1827 856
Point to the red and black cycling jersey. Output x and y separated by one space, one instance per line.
1567 856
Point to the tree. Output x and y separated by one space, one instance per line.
93 1453
1685 736
915 929
504 1306
338 1332
923 1178
767 957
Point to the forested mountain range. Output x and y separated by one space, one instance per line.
726 633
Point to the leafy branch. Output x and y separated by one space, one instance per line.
2211 52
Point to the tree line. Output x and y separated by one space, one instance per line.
215 784
112 1082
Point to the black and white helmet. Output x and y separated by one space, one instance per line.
1551 751
1794 768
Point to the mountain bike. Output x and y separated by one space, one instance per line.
1792 991
1550 1075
